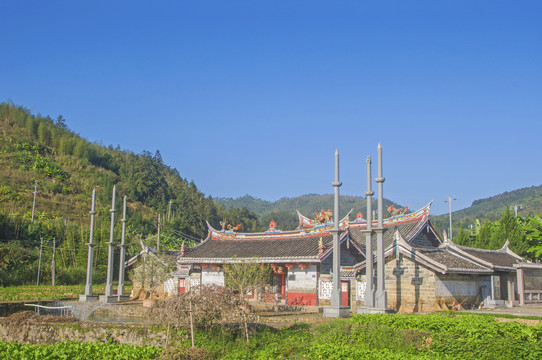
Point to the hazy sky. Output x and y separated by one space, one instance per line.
253 97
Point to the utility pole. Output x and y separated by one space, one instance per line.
53 264
158 237
39 262
449 201
34 202
169 210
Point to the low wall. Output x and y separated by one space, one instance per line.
29 328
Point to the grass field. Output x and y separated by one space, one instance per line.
48 292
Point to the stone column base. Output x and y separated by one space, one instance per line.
336 311
88 298
109 299
372 310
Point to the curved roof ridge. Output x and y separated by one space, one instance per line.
232 235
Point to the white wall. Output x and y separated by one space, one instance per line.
212 277
303 280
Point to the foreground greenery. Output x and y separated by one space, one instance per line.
77 351
434 336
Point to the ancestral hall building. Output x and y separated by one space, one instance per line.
423 272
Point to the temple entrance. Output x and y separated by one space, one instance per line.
182 286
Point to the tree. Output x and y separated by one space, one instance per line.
207 307
153 271
244 275
532 226
60 122
508 228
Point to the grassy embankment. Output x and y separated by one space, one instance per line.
48 292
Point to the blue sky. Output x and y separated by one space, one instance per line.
253 97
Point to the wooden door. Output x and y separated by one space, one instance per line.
182 286
345 292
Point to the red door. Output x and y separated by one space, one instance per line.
182 287
345 293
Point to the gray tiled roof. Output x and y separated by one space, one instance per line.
303 247
408 231
453 262
497 258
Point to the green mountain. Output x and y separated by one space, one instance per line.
492 208
306 204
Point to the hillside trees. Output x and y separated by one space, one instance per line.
67 167
524 235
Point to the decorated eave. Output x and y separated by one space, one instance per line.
272 233
423 213
306 222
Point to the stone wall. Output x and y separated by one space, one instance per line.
410 286
533 279
302 285
29 328
462 289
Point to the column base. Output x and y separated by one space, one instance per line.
122 298
88 298
109 299
373 310
336 311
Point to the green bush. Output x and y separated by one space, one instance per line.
72 276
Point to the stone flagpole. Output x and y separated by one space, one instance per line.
369 260
336 310
381 295
110 257
123 245
88 296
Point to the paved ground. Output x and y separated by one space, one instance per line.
527 310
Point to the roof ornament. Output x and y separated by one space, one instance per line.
323 217
228 227
396 211
321 246
359 218
272 227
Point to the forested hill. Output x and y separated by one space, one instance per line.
306 204
67 167
492 208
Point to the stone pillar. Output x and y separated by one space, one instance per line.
381 295
89 296
110 257
510 287
336 310
521 285
123 246
369 260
